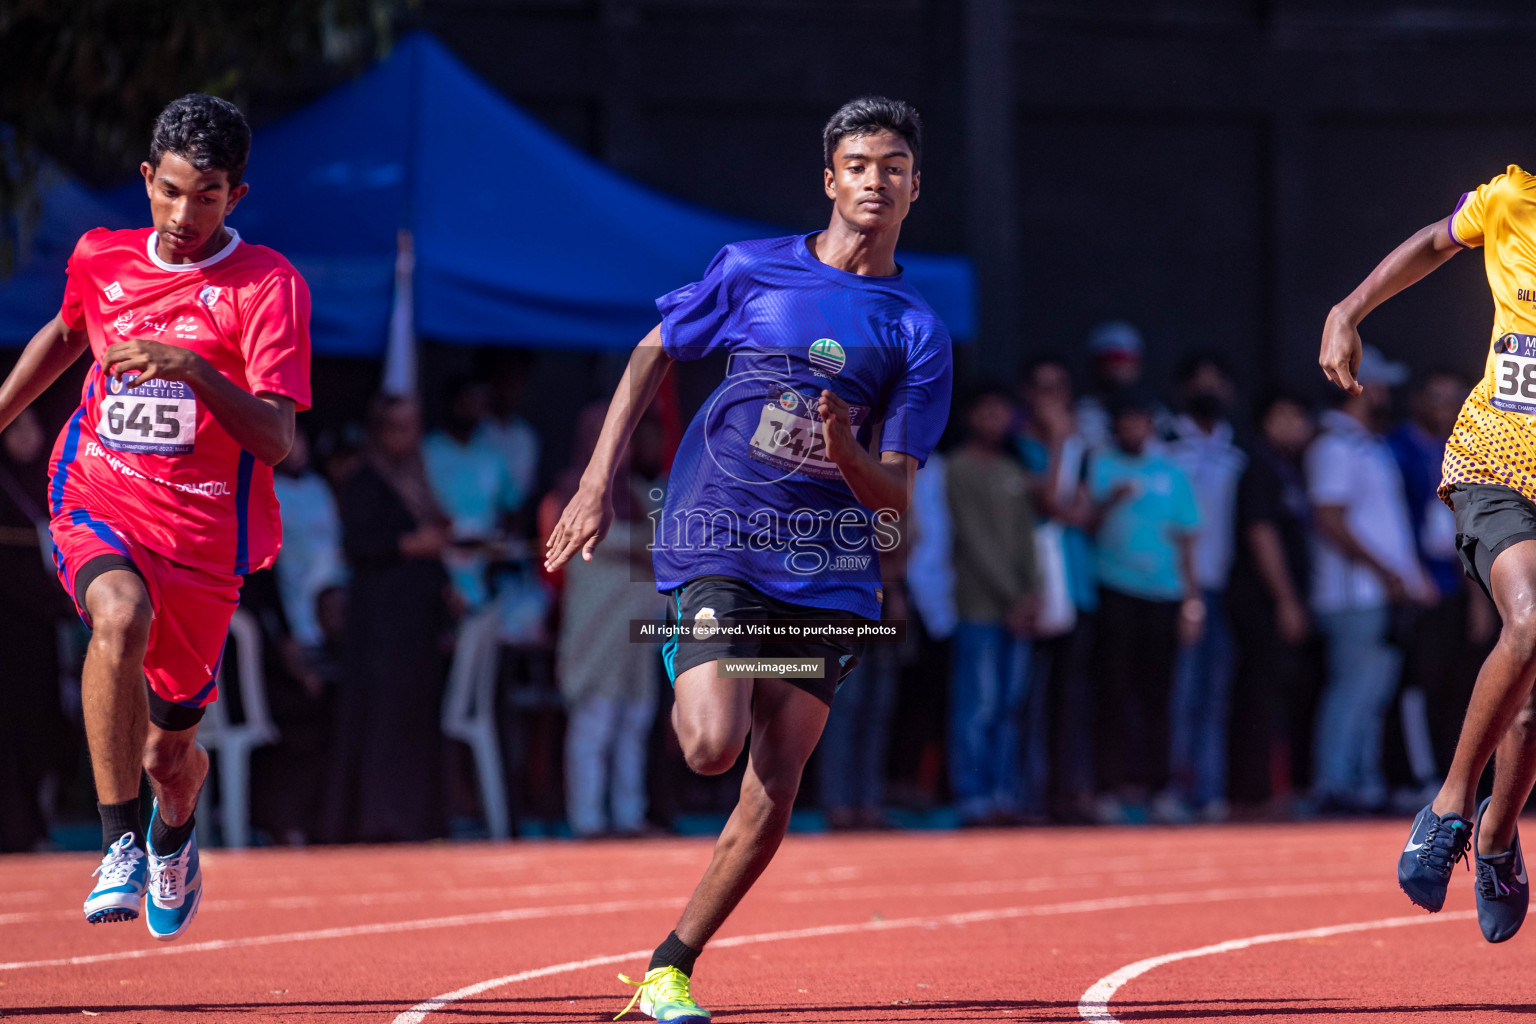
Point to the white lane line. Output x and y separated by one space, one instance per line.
382 928
1094 1004
500 894
418 1013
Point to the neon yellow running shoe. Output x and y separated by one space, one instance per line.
663 993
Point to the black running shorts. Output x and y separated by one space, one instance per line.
726 598
1489 518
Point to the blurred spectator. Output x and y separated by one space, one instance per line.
512 435
472 484
1435 685
33 728
387 780
1270 582
1364 562
920 724
1146 520
608 683
288 777
1202 446
857 734
1114 365
930 561
310 560
1056 456
995 595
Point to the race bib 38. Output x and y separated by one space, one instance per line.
158 418
1514 362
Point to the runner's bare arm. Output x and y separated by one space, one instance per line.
48 354
1424 250
587 517
878 483
261 424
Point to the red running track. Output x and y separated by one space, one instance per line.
1025 925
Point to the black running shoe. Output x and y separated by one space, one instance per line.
1434 846
1503 895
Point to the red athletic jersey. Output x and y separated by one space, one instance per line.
154 458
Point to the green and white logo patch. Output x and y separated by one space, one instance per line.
828 356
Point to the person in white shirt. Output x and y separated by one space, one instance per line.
1364 562
311 560
1203 448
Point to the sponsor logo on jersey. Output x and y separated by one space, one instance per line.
113 291
828 355
705 625
1525 295
209 296
124 322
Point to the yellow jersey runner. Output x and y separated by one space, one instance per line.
1494 441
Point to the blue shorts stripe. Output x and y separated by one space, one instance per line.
80 517
68 455
242 513
669 649
197 699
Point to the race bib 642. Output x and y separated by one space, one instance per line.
158 418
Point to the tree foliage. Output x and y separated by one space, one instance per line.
82 80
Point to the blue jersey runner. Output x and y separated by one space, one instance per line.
752 493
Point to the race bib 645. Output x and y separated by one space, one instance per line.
158 418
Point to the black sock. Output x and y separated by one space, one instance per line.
674 952
117 820
167 839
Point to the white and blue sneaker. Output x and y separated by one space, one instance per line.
1503 891
175 888
120 882
1434 846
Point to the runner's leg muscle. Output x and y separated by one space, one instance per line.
712 717
786 725
176 765
1503 683
112 683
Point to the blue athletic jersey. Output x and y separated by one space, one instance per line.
752 493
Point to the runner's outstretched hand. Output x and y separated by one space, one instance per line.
1340 355
582 526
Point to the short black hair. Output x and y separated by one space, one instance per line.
1135 400
209 133
1031 366
869 115
1272 397
1204 359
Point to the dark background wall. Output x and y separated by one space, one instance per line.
1216 171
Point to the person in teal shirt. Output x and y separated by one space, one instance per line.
1145 520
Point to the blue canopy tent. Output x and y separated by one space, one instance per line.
519 239
30 297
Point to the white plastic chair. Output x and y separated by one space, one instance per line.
469 711
234 741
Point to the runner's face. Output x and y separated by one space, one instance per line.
872 181
188 207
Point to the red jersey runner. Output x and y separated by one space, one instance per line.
154 458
